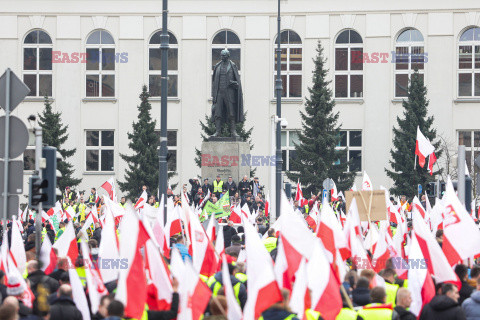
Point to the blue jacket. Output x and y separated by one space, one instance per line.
471 306
183 250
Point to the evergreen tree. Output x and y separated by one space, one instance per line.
208 129
405 174
143 164
55 134
317 157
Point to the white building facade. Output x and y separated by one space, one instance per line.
54 46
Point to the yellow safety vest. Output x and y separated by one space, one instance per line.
157 204
44 233
203 278
270 243
306 208
236 289
217 186
123 205
242 277
405 283
391 290
59 233
82 275
346 314
374 312
312 314
287 318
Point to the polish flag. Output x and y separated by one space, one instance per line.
323 284
108 248
234 312
78 293
17 249
299 196
435 259
366 184
24 215
263 290
47 257
420 282
174 224
204 200
267 205
203 253
312 220
423 148
334 192
418 205
235 214
159 276
212 228
109 186
141 201
161 237
431 160
220 243
300 298
96 288
66 245
194 293
460 233
132 286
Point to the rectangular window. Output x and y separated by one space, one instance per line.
351 141
471 140
37 70
172 146
288 140
29 153
100 75
348 72
99 150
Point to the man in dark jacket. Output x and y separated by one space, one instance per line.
404 300
31 227
206 186
102 308
64 307
50 233
230 186
444 306
244 186
361 293
36 276
466 290
195 185
235 248
471 306
97 234
228 232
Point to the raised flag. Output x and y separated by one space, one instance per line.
299 196
234 312
367 183
66 245
48 257
78 293
334 193
423 148
109 186
108 248
141 201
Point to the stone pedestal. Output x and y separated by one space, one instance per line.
224 158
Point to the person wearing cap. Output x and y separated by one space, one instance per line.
206 186
15 288
217 186
68 195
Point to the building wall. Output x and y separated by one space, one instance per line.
194 24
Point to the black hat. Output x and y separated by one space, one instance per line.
31 221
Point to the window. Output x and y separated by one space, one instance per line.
29 153
288 139
99 150
155 65
37 63
349 65
469 63
409 55
351 140
101 58
172 149
471 141
226 39
290 64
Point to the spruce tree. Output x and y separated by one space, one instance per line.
406 175
208 129
317 156
55 134
143 164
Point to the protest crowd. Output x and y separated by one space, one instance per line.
217 254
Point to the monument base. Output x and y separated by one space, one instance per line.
224 139
224 158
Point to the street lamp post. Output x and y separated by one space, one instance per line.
278 153
162 182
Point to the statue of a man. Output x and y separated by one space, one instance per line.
226 95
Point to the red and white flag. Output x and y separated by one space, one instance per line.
267 205
420 282
108 248
263 290
96 288
78 293
48 257
461 237
300 298
66 245
234 312
334 192
109 186
323 284
299 196
159 277
132 285
17 249
367 183
423 149
141 201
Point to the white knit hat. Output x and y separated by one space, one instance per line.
15 286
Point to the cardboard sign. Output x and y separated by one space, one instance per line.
370 204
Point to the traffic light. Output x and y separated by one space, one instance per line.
430 189
443 187
37 192
50 174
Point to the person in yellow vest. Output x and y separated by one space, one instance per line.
391 288
123 202
239 288
80 208
346 313
61 229
378 309
270 243
68 195
240 274
93 196
404 300
280 310
217 186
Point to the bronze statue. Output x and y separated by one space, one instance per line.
226 95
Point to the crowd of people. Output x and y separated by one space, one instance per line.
38 292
